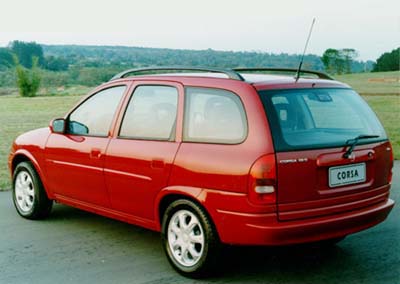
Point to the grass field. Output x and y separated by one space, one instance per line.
382 83
18 115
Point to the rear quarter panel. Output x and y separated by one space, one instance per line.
225 166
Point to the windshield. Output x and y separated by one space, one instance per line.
318 118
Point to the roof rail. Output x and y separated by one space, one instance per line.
320 75
228 72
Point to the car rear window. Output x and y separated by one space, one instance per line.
318 118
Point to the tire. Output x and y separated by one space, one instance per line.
193 248
29 196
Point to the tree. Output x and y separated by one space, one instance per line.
389 61
53 63
348 55
338 61
329 58
25 51
6 58
28 81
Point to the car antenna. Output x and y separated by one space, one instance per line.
304 52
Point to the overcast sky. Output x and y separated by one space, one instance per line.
371 27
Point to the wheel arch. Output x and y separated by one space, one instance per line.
25 156
171 194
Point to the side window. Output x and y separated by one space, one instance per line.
214 116
151 113
94 116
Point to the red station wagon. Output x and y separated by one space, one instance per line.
213 157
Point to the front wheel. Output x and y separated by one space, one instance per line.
29 196
189 239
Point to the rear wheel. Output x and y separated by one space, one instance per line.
189 239
29 196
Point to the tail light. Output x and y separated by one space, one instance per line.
391 163
262 181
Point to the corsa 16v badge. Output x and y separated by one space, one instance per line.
289 161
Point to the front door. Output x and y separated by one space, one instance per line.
75 160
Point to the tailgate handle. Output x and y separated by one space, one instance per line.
333 159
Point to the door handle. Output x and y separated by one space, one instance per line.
95 153
157 164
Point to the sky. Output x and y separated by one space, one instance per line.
281 26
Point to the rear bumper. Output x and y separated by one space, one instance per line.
264 229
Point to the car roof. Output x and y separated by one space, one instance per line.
262 82
258 81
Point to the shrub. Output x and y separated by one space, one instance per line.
28 80
389 61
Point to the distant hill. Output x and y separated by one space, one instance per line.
91 65
143 56
92 56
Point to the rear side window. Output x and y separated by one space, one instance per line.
214 116
151 113
319 118
94 116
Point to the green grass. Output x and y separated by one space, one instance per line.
18 115
380 83
50 91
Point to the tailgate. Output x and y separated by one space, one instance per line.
315 183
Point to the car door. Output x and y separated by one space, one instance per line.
75 159
140 155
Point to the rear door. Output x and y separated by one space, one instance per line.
140 156
312 130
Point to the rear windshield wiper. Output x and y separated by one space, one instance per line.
353 142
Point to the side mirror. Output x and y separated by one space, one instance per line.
58 125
